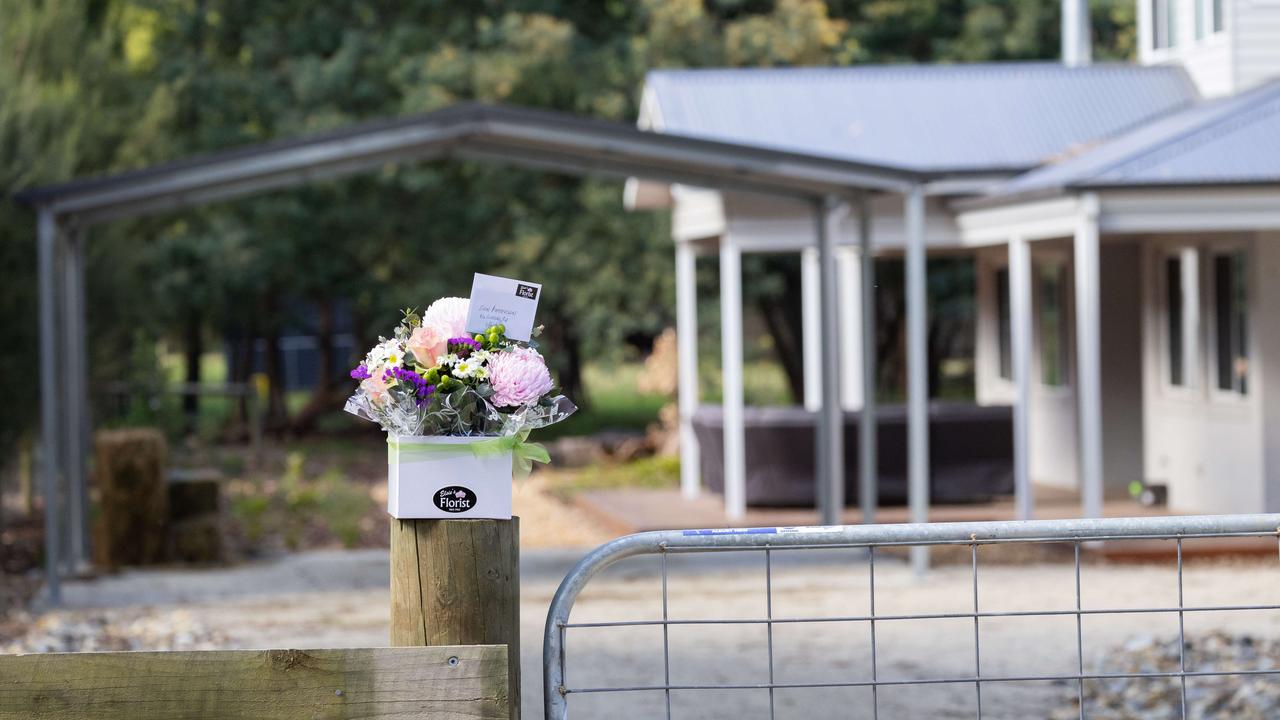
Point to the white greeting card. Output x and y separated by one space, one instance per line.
503 301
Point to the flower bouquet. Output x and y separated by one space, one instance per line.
457 408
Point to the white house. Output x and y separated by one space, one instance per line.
1125 221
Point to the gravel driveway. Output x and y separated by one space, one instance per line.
333 599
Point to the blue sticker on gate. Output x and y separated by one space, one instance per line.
732 531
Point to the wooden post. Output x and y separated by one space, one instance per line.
457 582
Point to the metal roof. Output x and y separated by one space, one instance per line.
535 138
1233 140
931 118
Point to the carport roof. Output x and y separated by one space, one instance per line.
522 136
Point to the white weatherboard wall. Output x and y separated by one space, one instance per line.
764 224
1204 444
1254 26
1245 53
1208 60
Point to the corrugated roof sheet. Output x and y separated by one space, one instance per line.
1225 141
935 118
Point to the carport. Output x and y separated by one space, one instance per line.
538 139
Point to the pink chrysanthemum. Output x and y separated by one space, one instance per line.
519 376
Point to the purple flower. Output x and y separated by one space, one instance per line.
360 373
463 346
421 390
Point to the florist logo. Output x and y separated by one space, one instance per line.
528 292
455 499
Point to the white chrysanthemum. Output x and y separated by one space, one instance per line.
465 369
450 313
388 353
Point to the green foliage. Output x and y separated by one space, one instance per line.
63 111
297 508
91 86
343 506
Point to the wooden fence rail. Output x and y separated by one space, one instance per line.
440 683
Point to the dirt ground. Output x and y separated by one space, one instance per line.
339 598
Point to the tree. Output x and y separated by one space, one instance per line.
68 103
97 85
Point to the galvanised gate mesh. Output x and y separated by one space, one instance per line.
878 541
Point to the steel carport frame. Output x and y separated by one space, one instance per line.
520 136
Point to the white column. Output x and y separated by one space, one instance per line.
830 435
850 287
687 366
1076 44
811 327
917 370
867 457
1089 360
735 456
1191 315
1020 331
46 247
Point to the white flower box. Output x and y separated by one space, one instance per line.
441 477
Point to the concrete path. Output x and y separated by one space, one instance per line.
336 599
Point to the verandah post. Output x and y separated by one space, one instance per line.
457 582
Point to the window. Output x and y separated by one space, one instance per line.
1004 321
1208 17
1054 330
1174 318
1162 24
1231 321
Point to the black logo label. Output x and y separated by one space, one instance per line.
527 292
454 499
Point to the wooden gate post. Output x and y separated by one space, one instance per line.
457 582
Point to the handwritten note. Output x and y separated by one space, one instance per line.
503 301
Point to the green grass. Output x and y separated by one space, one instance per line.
764 383
613 403
658 472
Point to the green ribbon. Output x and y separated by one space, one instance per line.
523 453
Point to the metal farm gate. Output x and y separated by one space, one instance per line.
877 541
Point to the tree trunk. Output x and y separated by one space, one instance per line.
563 338
325 396
241 372
782 320
277 417
194 348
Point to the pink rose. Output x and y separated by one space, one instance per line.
375 386
519 377
428 343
